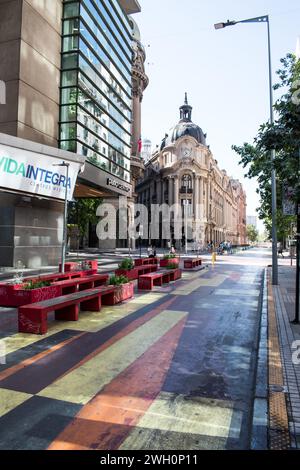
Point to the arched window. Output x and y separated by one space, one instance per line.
186 181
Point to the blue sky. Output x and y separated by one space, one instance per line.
225 72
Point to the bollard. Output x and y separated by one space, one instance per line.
213 257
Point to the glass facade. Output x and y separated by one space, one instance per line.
95 113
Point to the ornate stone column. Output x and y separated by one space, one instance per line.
176 190
171 191
196 198
177 224
201 199
159 191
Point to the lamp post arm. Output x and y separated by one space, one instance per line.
257 19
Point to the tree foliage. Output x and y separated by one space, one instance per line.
283 137
252 233
82 212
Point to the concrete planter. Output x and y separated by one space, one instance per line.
16 295
122 293
76 266
165 262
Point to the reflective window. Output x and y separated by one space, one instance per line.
125 38
70 43
71 26
113 75
102 101
120 23
125 69
71 9
69 78
96 85
69 61
91 107
121 47
111 89
68 131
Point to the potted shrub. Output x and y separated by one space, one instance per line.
172 266
167 259
29 292
127 269
124 290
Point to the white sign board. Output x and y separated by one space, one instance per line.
30 172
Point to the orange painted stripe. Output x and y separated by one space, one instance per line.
128 329
107 420
27 362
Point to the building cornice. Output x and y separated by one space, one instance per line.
130 6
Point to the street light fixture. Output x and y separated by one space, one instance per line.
265 19
64 240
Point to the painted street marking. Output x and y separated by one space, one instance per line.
179 415
9 399
86 381
187 289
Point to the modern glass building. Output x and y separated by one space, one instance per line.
68 69
96 84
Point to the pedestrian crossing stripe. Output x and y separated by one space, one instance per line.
82 384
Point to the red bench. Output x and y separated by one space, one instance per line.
145 261
33 318
148 281
75 265
71 286
137 271
192 263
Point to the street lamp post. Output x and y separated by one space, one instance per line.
265 19
64 240
297 299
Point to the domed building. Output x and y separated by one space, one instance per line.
182 173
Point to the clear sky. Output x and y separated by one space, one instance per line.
225 72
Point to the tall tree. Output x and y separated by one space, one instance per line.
252 233
82 212
284 137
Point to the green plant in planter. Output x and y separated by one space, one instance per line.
170 256
127 264
172 266
118 280
36 285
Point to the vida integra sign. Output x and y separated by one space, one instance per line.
30 172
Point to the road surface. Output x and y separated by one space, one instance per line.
171 369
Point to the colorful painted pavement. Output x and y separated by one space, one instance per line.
171 369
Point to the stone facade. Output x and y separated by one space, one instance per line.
184 172
30 46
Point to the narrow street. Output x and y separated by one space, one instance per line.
171 369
